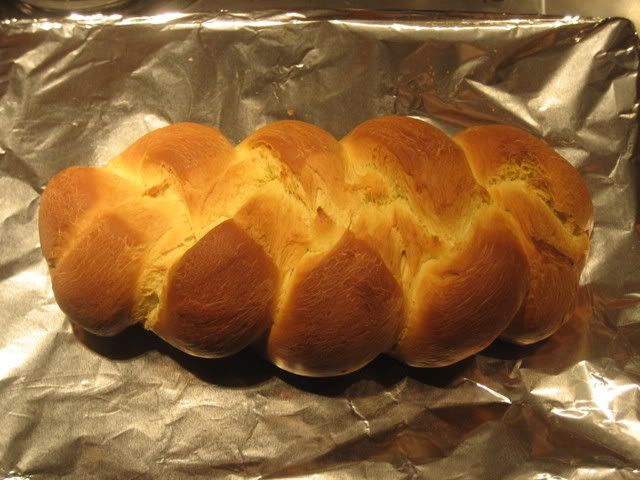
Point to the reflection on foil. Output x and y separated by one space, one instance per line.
78 90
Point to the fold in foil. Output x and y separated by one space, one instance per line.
78 90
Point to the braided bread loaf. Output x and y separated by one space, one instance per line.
322 254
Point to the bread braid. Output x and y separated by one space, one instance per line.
322 253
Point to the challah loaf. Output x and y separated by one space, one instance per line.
322 253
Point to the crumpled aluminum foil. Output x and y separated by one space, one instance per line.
79 90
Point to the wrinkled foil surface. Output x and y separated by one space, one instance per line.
79 90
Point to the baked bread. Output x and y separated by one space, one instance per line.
322 253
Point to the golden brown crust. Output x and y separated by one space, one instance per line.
72 196
309 152
552 205
185 156
555 261
550 300
219 297
342 311
278 224
465 300
500 152
426 159
395 239
95 281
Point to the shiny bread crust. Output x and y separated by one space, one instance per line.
322 253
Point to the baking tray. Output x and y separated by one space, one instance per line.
78 90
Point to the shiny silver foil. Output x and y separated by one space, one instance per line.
80 89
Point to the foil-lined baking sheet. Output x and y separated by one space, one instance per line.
80 89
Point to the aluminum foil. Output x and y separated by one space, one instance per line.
78 90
